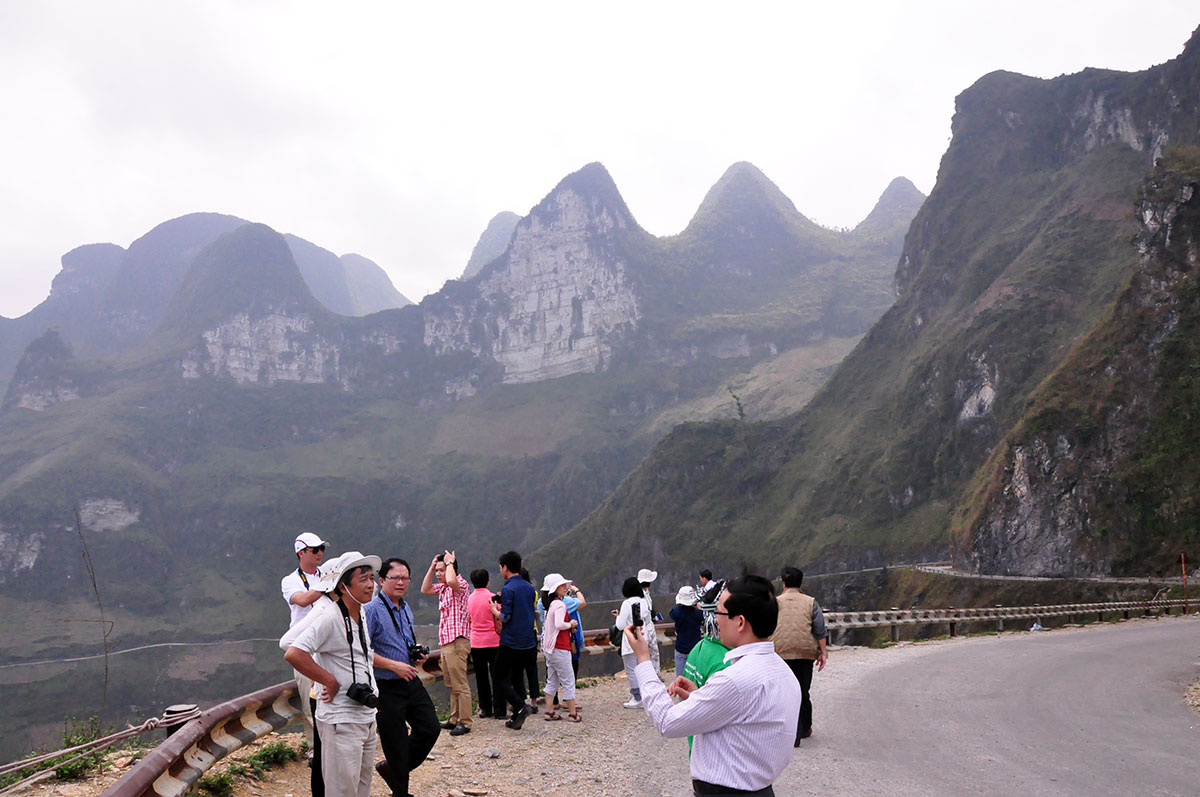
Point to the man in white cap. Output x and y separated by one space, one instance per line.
646 577
300 592
333 648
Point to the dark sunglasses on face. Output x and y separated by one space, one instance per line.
317 549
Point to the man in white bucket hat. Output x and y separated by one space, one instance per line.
332 647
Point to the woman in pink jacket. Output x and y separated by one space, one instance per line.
556 645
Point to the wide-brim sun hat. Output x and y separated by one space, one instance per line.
646 575
686 596
333 571
553 581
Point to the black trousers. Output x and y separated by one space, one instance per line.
803 670
405 705
511 668
491 697
315 782
702 787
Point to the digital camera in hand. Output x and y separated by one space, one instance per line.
637 614
416 652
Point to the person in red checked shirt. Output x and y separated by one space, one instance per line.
454 635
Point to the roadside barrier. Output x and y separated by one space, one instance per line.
840 621
174 766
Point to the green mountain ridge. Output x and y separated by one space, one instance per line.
252 411
1021 248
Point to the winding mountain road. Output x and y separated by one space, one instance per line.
1085 711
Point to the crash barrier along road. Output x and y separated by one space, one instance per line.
174 766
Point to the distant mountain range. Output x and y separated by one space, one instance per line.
1026 404
107 299
186 406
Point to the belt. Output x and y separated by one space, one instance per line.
703 787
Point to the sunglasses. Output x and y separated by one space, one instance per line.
317 549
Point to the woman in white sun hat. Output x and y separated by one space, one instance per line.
556 645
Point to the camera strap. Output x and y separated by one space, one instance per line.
392 614
362 638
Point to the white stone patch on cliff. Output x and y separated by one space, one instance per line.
558 305
106 514
270 349
1106 125
18 551
977 395
39 400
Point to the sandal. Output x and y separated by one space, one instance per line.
552 716
575 717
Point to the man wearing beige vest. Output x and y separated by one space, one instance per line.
800 640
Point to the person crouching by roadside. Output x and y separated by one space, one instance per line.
687 625
483 607
633 611
332 647
556 646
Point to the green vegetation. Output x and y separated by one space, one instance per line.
224 782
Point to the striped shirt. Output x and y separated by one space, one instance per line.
452 604
744 717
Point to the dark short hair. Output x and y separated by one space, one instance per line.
388 564
479 578
706 573
632 588
792 576
349 575
511 560
753 597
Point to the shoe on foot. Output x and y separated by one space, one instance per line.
447 725
633 703
518 718
485 715
459 730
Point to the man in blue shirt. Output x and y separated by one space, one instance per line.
403 701
518 640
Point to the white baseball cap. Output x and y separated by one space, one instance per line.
308 540
646 575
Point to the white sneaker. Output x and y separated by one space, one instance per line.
631 703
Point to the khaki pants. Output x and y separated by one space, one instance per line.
304 687
454 669
347 757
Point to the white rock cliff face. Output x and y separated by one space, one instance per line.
270 349
106 514
557 307
18 551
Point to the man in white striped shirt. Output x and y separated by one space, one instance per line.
744 717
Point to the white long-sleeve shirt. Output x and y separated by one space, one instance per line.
744 717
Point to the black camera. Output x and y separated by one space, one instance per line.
362 693
417 651
495 599
637 614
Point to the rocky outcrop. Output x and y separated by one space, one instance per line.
264 350
1063 498
45 376
559 300
19 550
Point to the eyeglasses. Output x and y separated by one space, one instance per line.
727 614
317 549
396 578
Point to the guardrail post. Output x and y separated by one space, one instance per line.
1099 617
953 625
1126 613
999 620
895 627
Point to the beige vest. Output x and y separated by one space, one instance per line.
793 635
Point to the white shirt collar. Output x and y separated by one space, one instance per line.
750 649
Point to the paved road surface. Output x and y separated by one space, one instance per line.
1087 711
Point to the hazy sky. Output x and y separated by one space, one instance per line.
397 132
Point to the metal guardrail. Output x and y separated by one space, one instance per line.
839 621
173 767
